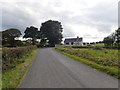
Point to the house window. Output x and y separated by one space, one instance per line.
67 43
71 43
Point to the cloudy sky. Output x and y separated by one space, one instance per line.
90 19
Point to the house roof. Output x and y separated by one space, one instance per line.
73 40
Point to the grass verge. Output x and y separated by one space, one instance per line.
113 71
12 78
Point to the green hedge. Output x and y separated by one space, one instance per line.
13 56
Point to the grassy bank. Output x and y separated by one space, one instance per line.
105 60
12 77
13 56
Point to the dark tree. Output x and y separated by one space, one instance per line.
100 41
108 41
9 35
117 34
52 31
113 39
31 32
43 42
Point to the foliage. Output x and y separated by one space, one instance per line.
52 31
108 41
12 78
12 56
113 39
97 47
31 32
9 35
19 43
117 34
94 46
43 43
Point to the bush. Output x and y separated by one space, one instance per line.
98 48
12 56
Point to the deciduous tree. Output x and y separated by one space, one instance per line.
31 32
52 31
9 35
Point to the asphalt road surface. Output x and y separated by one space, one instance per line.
54 70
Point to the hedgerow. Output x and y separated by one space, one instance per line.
13 56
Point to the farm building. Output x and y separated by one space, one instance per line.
73 41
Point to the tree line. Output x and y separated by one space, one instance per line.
49 34
112 40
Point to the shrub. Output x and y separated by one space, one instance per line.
98 48
13 56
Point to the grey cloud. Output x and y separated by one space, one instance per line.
19 18
106 14
16 17
102 16
68 32
119 14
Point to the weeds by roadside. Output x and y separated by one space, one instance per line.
105 60
12 77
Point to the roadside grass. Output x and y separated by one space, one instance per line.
12 77
0 69
107 64
0 81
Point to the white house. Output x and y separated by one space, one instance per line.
73 41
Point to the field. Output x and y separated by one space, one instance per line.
99 45
105 60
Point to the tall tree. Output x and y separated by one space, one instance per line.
108 41
117 34
31 32
52 31
9 35
113 39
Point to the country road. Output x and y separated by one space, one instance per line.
54 70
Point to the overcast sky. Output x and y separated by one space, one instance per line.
90 19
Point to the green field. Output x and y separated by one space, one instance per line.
99 45
105 60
